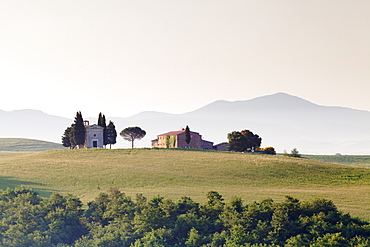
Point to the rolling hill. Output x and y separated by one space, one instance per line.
282 120
176 173
32 124
27 145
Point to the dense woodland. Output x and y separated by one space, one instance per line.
114 219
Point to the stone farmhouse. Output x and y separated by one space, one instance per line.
93 135
176 139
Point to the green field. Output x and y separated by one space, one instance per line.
351 160
176 173
27 145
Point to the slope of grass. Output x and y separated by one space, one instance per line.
351 160
27 145
176 173
6 154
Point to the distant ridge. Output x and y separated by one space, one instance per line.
281 102
283 121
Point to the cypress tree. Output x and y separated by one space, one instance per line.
187 135
71 139
66 140
111 134
100 119
102 123
78 130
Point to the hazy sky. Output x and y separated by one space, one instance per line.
123 57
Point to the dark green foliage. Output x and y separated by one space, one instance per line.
102 123
161 222
243 141
111 134
253 141
107 206
64 218
294 153
114 219
28 220
194 239
132 133
71 137
236 141
78 130
187 135
66 138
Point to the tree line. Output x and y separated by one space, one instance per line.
114 219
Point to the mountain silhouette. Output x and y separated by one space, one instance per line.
282 120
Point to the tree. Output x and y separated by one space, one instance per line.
111 134
236 141
102 123
114 219
78 130
243 141
168 141
295 153
66 140
132 133
71 139
187 135
194 239
253 140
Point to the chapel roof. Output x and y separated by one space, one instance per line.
93 126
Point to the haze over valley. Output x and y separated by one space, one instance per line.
283 121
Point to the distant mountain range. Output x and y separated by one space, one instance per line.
282 120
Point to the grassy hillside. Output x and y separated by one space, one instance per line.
176 173
352 160
27 145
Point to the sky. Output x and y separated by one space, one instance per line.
123 57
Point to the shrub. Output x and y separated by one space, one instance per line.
295 153
268 150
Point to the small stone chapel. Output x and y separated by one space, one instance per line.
94 137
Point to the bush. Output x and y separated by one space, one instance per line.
294 153
268 150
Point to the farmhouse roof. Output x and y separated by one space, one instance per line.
175 133
222 143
